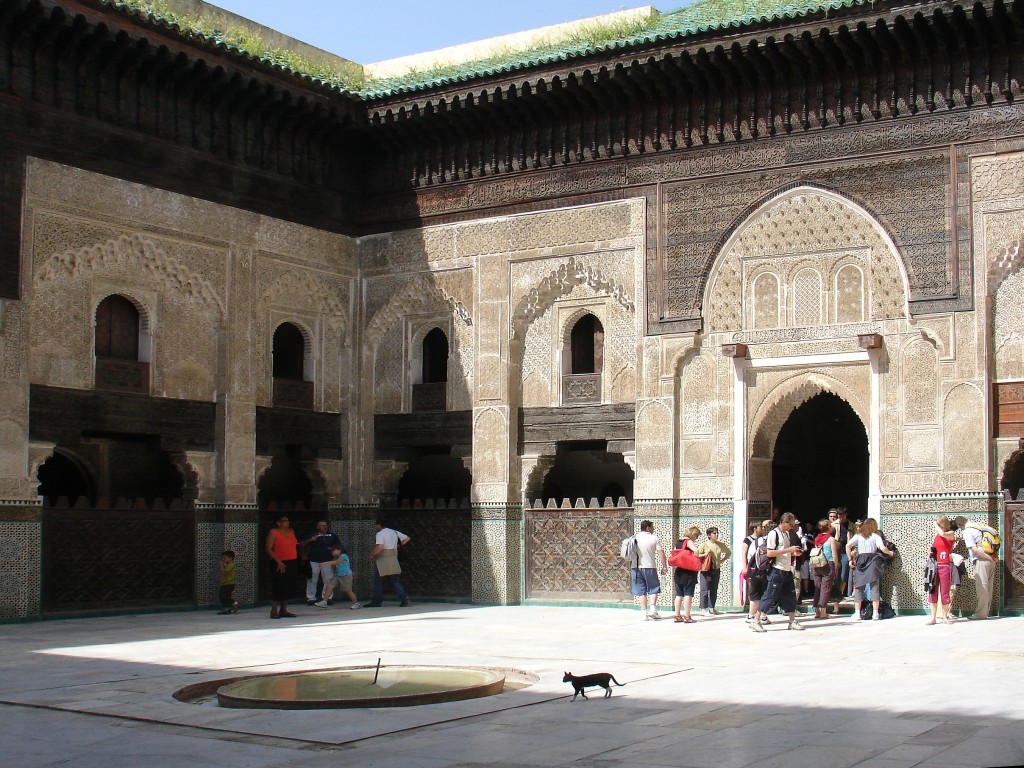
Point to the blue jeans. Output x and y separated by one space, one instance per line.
378 586
844 570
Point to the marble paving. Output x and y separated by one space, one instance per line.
890 694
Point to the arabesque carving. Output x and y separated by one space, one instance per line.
561 282
416 295
135 252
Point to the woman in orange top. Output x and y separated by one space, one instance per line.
282 547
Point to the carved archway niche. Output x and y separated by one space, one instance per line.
767 422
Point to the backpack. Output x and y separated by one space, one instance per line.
761 560
885 611
990 540
630 550
818 559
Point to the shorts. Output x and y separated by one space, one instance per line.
757 583
867 592
341 583
685 582
644 581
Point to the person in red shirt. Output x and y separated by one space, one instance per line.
943 543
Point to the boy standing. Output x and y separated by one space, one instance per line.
227 582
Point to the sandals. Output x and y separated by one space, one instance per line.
679 620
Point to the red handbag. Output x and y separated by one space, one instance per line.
684 558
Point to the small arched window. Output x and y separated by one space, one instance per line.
586 343
117 329
122 350
289 352
292 389
435 357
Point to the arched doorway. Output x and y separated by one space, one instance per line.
118 526
285 488
820 460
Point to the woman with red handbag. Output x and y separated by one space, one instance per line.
687 566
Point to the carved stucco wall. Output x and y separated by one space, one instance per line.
209 282
404 308
501 282
803 276
998 196
805 259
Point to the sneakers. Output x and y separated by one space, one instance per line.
321 604
310 601
757 626
654 615
765 620
235 607
857 617
748 618
796 625
876 617
355 606
405 603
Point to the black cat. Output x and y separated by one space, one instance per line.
603 679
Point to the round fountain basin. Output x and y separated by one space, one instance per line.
399 686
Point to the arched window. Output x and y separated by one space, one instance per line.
291 389
121 365
587 345
435 357
431 394
117 329
289 352
583 362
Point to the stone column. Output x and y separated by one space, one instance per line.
226 513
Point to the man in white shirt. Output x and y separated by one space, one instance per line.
644 582
984 566
781 590
384 557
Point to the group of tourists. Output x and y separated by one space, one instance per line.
782 563
330 570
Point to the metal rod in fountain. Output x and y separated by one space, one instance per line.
376 673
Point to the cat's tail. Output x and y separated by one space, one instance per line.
622 685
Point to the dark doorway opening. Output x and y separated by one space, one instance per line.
586 470
118 527
821 461
286 489
435 474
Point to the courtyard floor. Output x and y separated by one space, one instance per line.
890 694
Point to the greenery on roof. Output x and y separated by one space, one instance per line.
702 16
248 42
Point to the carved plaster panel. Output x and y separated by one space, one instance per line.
804 258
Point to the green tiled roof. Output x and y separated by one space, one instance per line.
700 17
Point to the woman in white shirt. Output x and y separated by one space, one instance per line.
867 575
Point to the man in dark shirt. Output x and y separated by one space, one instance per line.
317 547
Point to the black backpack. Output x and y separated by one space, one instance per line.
885 611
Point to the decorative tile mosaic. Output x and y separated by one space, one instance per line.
20 569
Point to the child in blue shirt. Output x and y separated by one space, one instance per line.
337 575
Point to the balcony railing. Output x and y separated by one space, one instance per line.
581 388
289 393
115 375
430 397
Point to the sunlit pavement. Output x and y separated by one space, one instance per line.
891 694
